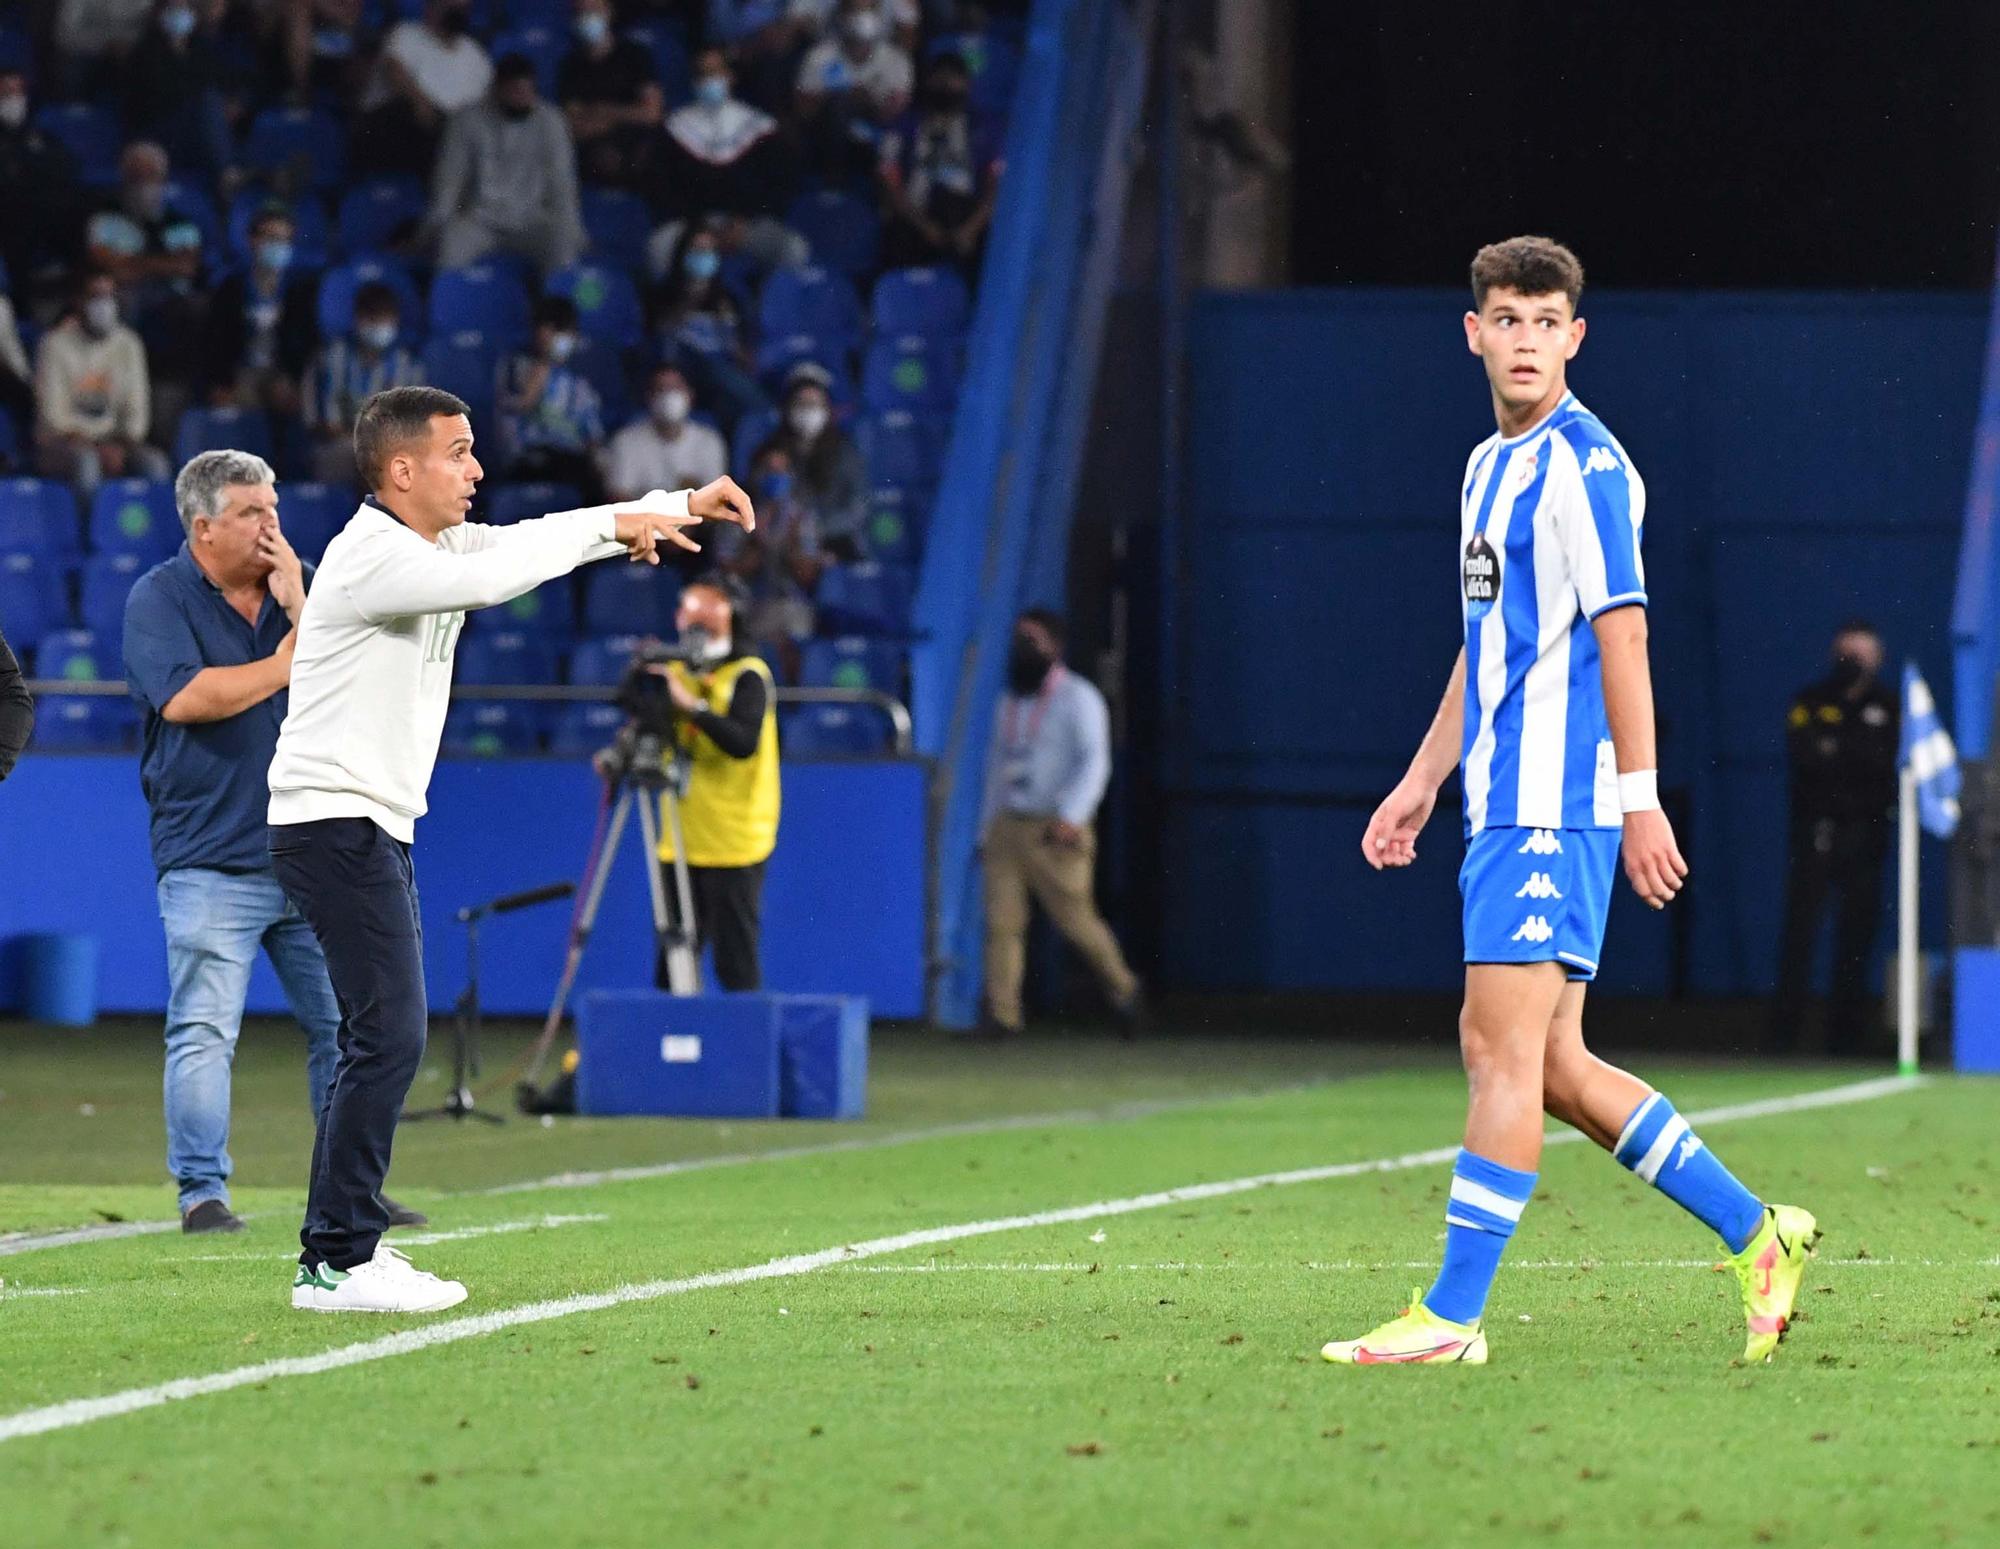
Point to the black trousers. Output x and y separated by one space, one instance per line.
728 915
1837 861
358 891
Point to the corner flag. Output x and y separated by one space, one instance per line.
1929 755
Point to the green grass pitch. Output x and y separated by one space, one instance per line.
1142 1377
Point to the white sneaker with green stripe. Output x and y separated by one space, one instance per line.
388 1282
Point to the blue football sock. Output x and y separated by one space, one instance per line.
1657 1144
1486 1203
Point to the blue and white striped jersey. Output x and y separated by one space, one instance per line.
1550 539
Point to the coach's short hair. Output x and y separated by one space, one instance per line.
1533 266
198 490
392 419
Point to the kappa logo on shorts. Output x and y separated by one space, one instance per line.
1601 460
1542 841
1534 928
1539 885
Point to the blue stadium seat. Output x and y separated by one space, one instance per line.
89 133
547 611
535 13
337 288
312 234
579 730
84 723
896 524
311 513
601 363
304 146
752 431
488 297
809 300
930 301
380 213
910 372
619 225
31 595
620 599
505 656
865 599
75 654
844 232
107 581
512 503
903 450
607 304
207 430
544 48
852 661
837 731
466 362
192 201
39 514
135 516
601 662
490 728
672 67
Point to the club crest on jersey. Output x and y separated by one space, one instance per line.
1523 473
1482 577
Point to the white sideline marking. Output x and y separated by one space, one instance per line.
425 1239
1080 1267
86 1411
45 1290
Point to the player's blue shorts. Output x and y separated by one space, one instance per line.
1538 895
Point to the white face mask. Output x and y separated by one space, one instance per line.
672 406
862 28
13 111
377 336
100 314
808 419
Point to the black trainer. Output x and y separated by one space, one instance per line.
403 1215
211 1215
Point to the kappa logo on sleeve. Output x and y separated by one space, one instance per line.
1601 460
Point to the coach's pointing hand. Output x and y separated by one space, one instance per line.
640 530
724 501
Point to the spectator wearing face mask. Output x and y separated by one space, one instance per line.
349 371
93 401
779 565
609 94
721 153
901 19
183 86
322 48
427 71
940 173
831 481
849 87
151 249
94 37
262 324
552 419
36 173
697 326
663 448
506 178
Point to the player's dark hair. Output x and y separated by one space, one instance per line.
1531 266
394 418
1052 623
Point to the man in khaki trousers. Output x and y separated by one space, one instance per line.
1051 759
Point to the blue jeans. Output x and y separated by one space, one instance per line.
215 922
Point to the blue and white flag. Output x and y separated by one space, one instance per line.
1928 753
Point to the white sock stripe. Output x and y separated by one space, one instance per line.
1480 1197
1632 1124
1663 1147
1477 1226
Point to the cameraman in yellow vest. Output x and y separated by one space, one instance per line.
728 726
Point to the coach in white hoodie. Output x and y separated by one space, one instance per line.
371 678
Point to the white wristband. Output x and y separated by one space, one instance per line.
1639 791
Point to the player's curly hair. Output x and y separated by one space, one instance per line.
1532 266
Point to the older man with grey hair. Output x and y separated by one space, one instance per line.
208 654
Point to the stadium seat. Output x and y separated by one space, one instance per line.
311 513
192 201
338 285
607 304
505 656
513 503
84 723
619 225
897 520
535 13
629 600
297 147
865 599
929 301
490 728
579 730
207 430
672 67
752 431
312 234
903 450
809 300
910 372
838 731
379 214
31 595
39 514
107 582
547 611
602 364
852 661
543 47
135 516
601 662
91 134
75 654
488 297
844 233
465 362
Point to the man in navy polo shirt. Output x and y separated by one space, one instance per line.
208 653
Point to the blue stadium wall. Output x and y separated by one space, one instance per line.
1805 458
843 900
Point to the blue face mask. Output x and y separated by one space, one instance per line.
711 91
702 263
561 347
274 255
376 336
177 23
592 28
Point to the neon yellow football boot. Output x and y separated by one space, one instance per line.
1418 1338
1769 1269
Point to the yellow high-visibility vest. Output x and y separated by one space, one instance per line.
730 814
